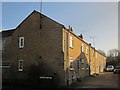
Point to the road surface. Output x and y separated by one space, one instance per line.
104 80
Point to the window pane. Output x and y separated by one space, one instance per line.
20 67
82 63
21 42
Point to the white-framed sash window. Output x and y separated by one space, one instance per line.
20 65
82 48
87 50
71 41
71 64
21 42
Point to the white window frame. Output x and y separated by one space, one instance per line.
87 50
20 66
20 41
82 48
71 42
71 61
82 61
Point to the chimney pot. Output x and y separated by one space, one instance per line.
90 44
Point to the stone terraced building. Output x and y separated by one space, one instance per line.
41 48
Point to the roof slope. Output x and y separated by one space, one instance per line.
40 14
7 32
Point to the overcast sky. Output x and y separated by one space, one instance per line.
96 19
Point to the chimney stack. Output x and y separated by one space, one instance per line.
70 28
81 36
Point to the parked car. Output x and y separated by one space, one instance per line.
116 69
110 68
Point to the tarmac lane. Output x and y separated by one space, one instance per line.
103 80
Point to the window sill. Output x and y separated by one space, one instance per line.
71 47
20 70
21 47
71 69
82 68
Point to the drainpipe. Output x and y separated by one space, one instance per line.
68 57
95 60
89 59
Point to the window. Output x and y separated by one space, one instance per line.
78 64
71 63
3 44
21 42
82 48
87 50
71 42
20 65
82 63
87 66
